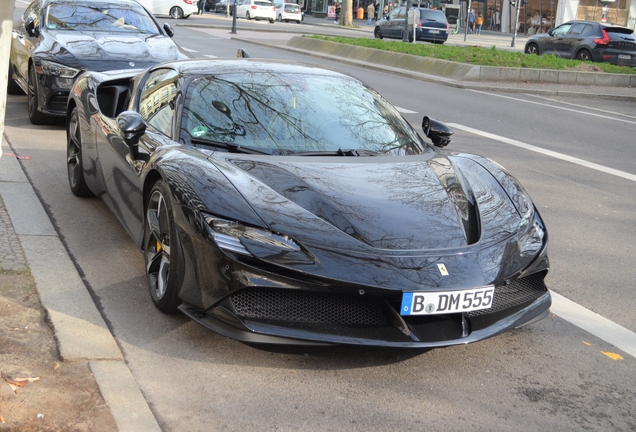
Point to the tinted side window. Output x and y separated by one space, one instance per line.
156 104
561 30
577 29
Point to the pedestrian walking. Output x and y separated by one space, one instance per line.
478 23
496 15
370 13
200 6
337 12
471 21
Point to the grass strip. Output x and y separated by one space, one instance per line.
482 56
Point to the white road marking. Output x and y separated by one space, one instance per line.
404 110
188 49
595 324
577 105
550 153
555 107
209 56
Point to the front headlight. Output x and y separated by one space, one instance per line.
229 235
531 241
58 70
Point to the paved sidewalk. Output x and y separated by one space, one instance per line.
29 242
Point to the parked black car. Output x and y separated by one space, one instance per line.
56 40
587 41
221 6
288 204
432 25
209 5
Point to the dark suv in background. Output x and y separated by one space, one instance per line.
209 5
432 25
587 41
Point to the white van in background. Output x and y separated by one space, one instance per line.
177 9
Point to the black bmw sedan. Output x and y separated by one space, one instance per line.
56 40
587 41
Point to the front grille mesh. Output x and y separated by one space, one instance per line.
306 307
517 292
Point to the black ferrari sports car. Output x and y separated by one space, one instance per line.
56 40
288 204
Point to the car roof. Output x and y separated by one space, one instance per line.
197 67
88 2
603 25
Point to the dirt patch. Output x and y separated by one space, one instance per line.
584 67
65 398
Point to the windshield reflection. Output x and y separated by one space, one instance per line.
99 17
295 113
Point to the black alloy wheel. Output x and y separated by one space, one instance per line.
532 49
36 117
377 33
584 55
161 251
74 163
176 12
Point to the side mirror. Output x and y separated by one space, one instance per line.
437 131
132 127
168 29
550 32
242 53
31 28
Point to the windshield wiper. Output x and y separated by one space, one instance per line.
229 146
340 152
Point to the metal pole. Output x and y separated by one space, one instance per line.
405 30
514 35
233 18
467 14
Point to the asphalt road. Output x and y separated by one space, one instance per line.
548 376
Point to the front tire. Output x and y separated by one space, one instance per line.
532 49
377 33
36 117
271 21
584 55
160 250
176 12
74 163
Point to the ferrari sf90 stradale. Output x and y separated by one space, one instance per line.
288 204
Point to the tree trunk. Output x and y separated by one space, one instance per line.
346 17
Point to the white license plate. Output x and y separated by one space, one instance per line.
434 31
432 303
624 56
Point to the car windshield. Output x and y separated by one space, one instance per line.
99 17
288 113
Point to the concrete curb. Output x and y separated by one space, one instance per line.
460 71
79 329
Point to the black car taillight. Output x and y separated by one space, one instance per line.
604 41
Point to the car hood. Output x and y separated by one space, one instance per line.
406 204
100 51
